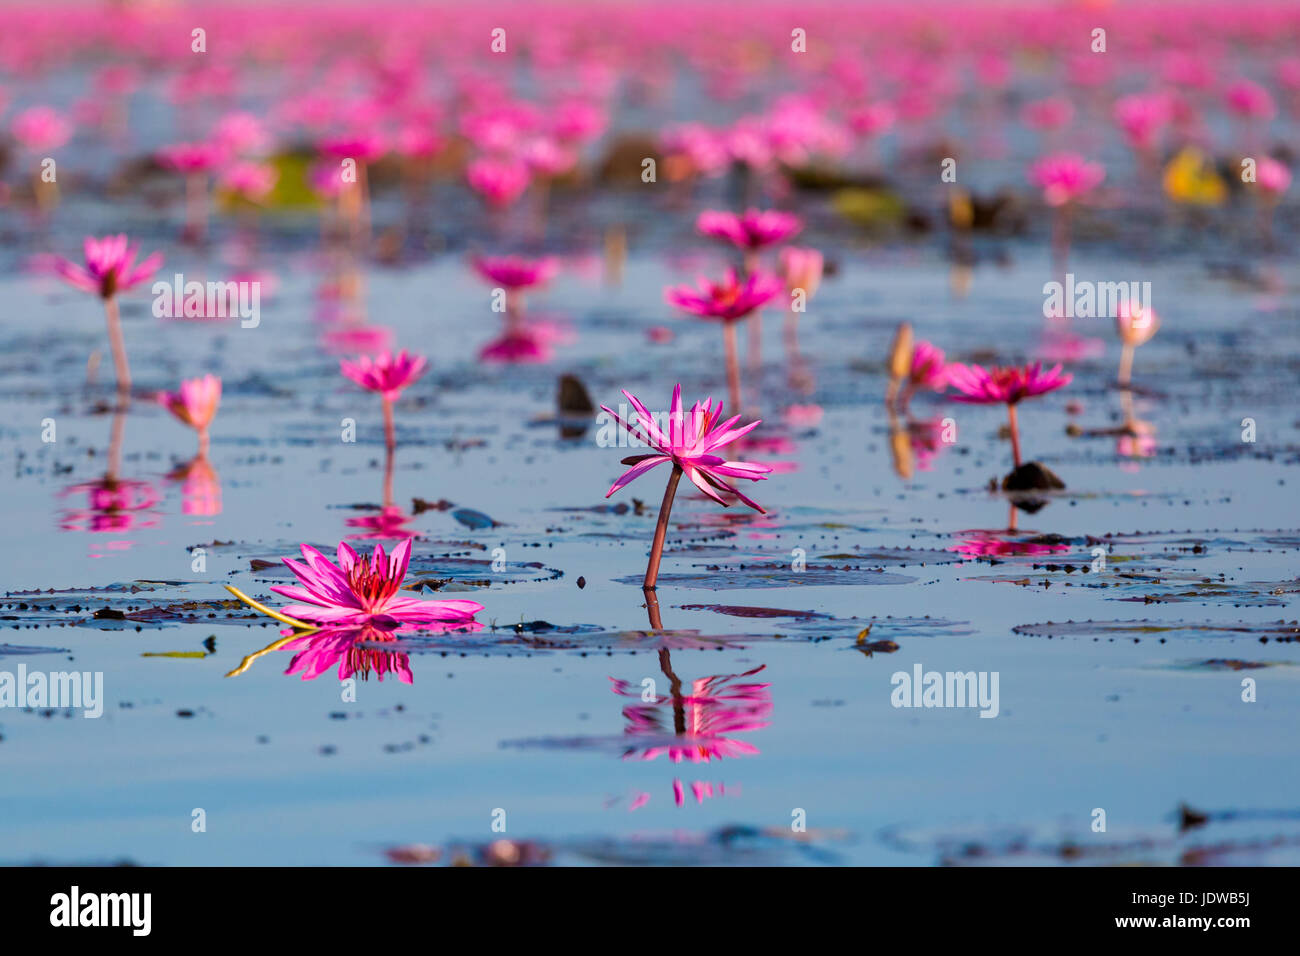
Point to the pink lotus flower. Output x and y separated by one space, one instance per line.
1135 323
1065 177
1010 385
728 300
359 592
1141 117
190 157
40 129
1271 176
982 386
386 373
689 443
252 181
195 404
802 268
110 267
499 181
754 230
1250 100
516 272
928 368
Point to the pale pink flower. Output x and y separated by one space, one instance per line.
1048 114
928 367
1272 176
1136 323
802 268
196 402
252 181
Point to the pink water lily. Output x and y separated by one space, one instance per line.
689 443
110 268
752 230
516 272
357 591
1009 385
195 404
388 375
1065 177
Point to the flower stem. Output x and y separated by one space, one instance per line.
119 345
652 609
1015 434
733 365
390 430
1125 365
661 529
203 443
257 606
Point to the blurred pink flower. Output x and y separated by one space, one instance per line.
1250 100
190 157
196 402
252 181
500 181
40 128
1272 176
516 272
928 368
386 373
802 268
754 229
728 300
1008 385
1051 113
110 267
1064 177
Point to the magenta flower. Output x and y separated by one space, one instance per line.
928 368
516 272
386 373
1005 384
1272 176
499 181
190 157
728 300
359 592
1064 177
689 443
195 404
754 230
1250 100
982 386
40 129
110 267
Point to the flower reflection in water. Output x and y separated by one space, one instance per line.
702 718
200 487
358 652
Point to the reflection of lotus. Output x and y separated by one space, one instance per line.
388 522
991 544
113 505
701 720
350 649
201 490
525 343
